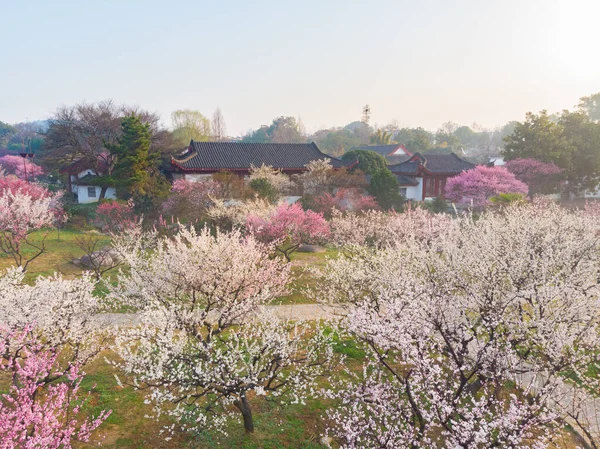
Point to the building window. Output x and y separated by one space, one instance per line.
403 191
91 192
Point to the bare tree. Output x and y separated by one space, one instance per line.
219 129
85 131
98 257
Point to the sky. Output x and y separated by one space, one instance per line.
419 63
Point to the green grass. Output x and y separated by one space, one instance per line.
302 278
57 255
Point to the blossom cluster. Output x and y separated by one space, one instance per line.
206 343
22 168
30 419
468 332
380 229
476 186
288 227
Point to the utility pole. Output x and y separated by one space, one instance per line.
366 114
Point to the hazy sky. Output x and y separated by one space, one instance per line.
418 62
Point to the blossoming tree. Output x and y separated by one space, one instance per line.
478 185
343 199
116 216
189 200
205 344
540 177
22 168
29 419
381 229
60 313
468 333
24 208
288 227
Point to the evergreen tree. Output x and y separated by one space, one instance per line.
136 172
368 161
384 187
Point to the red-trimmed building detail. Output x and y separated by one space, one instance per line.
424 176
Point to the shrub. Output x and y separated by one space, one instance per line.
116 216
384 187
265 190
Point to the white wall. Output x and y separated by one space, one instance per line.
196 177
83 198
415 193
399 152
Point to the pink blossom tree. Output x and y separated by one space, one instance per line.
207 347
189 200
540 177
31 419
288 227
24 208
60 314
343 199
21 167
478 185
468 334
116 216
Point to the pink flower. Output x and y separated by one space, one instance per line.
478 185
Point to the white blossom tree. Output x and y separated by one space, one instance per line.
468 333
60 314
205 343
276 178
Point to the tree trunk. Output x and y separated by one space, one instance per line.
103 192
244 407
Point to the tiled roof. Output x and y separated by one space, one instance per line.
432 163
406 180
83 164
207 156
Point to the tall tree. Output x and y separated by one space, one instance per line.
219 129
189 124
384 187
136 167
591 106
416 140
86 130
381 137
6 131
282 130
571 143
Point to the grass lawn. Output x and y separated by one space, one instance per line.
57 256
60 252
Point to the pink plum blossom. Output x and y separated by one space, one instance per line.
478 185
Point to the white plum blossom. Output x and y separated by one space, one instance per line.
206 343
60 313
467 330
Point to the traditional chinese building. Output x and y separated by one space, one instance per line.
205 158
424 176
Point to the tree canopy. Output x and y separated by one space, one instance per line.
189 124
369 162
571 143
282 130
